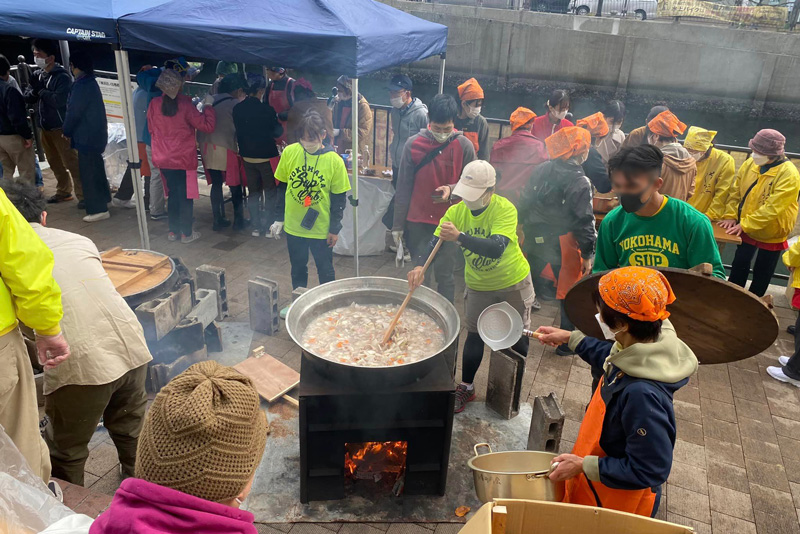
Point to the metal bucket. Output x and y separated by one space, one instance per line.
373 290
514 475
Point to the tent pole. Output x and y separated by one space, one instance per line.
354 180
126 100
63 46
441 74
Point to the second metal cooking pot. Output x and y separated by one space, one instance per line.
514 475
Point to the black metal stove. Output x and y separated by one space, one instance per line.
334 413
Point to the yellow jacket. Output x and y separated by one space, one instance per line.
27 288
791 258
770 209
713 183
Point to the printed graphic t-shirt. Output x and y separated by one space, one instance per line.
499 218
310 182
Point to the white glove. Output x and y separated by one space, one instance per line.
208 100
336 132
276 229
400 257
397 235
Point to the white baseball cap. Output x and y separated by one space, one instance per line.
476 178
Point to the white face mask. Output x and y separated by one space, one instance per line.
760 159
441 137
311 148
607 332
473 112
558 114
397 102
40 62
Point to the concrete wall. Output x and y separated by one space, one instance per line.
700 65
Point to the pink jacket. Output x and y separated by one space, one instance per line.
140 507
173 138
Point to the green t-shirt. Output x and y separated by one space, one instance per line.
677 236
310 182
499 218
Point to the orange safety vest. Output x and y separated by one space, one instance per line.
473 136
571 263
579 489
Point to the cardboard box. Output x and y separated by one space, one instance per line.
539 517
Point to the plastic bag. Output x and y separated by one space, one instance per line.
26 504
115 156
373 201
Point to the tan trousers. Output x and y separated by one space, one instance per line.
61 157
19 412
13 154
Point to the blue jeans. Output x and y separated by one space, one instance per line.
298 257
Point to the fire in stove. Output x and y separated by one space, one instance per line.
383 462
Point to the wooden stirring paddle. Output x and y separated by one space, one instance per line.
389 331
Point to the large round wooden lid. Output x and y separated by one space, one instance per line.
136 271
720 321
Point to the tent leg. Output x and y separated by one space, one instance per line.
126 99
63 47
441 75
354 180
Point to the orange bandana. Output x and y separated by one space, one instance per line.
470 90
640 293
596 124
568 142
521 117
666 124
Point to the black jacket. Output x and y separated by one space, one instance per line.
50 91
257 127
85 123
596 171
558 200
13 116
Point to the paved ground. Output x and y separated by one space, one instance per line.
737 457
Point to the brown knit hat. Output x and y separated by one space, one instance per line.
204 434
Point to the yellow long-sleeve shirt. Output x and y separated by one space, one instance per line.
713 184
28 291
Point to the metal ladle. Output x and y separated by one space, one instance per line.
500 326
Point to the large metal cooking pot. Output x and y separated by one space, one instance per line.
514 475
373 290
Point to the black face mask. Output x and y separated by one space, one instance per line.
632 202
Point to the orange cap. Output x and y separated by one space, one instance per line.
640 293
568 142
596 124
521 117
470 90
666 124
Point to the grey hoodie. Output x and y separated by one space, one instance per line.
405 123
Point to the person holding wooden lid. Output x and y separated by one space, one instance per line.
623 453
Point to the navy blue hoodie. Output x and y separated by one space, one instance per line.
86 124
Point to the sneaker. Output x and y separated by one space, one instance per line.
103 215
56 489
564 350
791 329
407 256
783 360
55 199
118 203
255 233
778 374
81 205
463 396
283 312
186 239
172 236
536 306
158 216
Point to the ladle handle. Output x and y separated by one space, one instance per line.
531 333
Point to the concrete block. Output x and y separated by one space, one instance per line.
213 335
213 278
297 292
262 296
506 369
162 373
159 316
205 310
187 337
547 423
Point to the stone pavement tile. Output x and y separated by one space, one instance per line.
574 409
448 528
565 447
720 430
263 528
73 494
581 375
790 448
769 500
718 410
93 505
795 493
570 432
102 459
698 526
100 435
725 524
308 528
718 374
723 451
753 410
747 385
690 432
779 391
770 524
334 527
786 427
405 528
689 504
687 394
283 527
749 364
109 483
540 388
689 453
383 527
89 479
758 430
727 475
762 451
576 391
730 502
792 467
358 528
429 526
688 477
784 409
770 475
688 412
716 391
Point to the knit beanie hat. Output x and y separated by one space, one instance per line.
204 434
768 142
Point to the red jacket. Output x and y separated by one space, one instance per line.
514 158
543 128
173 138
